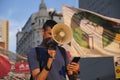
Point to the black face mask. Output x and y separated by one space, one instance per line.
50 43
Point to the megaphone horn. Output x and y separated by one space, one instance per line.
61 33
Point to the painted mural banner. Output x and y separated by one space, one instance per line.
94 35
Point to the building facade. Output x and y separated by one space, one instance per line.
110 8
29 36
4 34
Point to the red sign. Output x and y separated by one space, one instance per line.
22 67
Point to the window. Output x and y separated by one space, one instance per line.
59 18
42 20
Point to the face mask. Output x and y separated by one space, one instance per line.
50 43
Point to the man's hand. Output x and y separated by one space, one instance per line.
72 67
52 53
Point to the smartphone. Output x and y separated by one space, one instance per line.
76 59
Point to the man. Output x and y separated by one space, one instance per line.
51 65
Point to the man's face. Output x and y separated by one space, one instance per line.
47 33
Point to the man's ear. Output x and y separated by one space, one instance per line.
42 32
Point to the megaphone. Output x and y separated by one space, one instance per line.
61 33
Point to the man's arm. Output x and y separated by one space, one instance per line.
42 75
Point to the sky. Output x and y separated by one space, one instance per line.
18 12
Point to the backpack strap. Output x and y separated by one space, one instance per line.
38 56
63 52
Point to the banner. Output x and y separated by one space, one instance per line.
22 67
94 35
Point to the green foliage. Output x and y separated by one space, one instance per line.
78 36
107 38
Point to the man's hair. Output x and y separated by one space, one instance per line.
49 23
